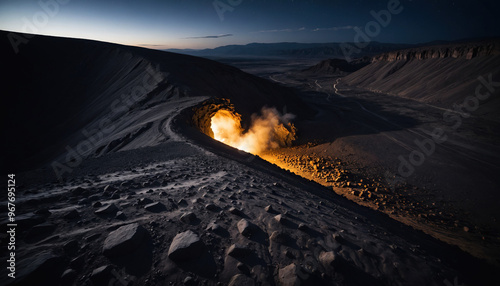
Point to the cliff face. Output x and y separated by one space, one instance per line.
439 75
465 51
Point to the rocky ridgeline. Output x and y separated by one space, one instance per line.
462 51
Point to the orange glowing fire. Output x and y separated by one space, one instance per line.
268 131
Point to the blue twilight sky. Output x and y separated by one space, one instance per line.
198 23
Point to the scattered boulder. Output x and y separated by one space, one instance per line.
292 275
281 219
144 201
212 207
101 275
241 280
327 258
214 227
124 240
78 191
237 250
246 228
68 277
72 214
189 281
303 227
188 218
120 215
279 237
155 207
235 211
185 246
110 210
269 209
40 269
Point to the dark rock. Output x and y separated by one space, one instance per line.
281 219
237 250
40 269
72 214
241 280
292 275
68 277
101 275
189 281
212 207
120 215
78 262
303 227
124 240
110 210
279 237
269 209
246 228
185 246
235 211
327 258
188 218
155 207
78 191
145 201
243 268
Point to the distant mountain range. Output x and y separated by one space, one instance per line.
297 50
305 50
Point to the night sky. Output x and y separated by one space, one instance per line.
197 24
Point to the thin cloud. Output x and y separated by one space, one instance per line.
276 31
211 37
305 29
334 28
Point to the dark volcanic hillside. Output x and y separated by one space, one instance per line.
337 66
58 87
441 75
